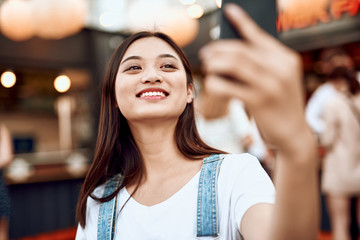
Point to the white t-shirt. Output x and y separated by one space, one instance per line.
257 147
242 183
316 105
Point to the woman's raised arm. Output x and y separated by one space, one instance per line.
267 77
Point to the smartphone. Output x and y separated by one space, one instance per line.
263 12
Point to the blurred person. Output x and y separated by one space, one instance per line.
259 148
341 137
311 83
222 123
329 59
149 147
6 153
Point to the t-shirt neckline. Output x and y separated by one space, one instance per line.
192 182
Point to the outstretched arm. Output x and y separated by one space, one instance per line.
267 77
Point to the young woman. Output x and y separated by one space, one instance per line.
341 168
165 182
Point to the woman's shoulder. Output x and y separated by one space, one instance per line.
237 163
337 101
240 159
98 193
110 182
99 190
241 172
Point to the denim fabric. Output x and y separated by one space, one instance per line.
4 198
206 203
207 196
107 212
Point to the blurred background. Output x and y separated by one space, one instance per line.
52 58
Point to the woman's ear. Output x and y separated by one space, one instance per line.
190 93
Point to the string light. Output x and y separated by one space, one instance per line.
21 20
16 20
171 20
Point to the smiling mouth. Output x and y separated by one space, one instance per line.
152 93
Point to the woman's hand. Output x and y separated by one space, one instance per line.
263 73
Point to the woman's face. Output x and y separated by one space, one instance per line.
151 82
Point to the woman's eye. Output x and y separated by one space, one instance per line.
168 66
133 68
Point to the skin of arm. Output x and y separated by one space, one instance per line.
267 77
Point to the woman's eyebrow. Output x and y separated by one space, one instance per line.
167 55
129 58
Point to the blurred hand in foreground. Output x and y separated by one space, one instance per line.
262 72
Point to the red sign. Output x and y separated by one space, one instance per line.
301 13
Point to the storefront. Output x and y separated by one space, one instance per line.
312 26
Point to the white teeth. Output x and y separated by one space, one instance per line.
150 94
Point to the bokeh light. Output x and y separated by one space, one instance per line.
62 83
107 19
173 21
8 79
195 11
219 3
16 20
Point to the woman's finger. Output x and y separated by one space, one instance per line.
221 87
233 69
234 59
244 24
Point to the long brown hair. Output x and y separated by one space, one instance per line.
116 151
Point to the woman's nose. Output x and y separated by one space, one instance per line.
151 76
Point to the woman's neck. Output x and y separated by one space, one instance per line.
166 169
157 145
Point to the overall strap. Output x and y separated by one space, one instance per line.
107 211
207 196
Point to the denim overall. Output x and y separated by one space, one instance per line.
206 202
